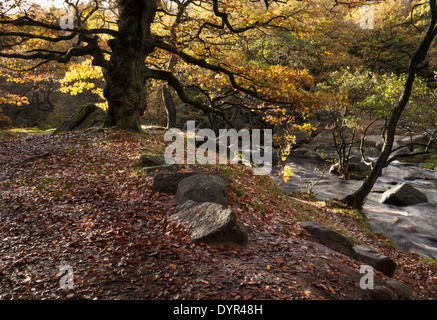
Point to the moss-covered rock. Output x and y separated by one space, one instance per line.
84 117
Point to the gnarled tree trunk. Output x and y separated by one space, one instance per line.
125 76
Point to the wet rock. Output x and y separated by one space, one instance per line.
300 137
373 141
324 137
402 151
416 139
302 149
318 146
403 195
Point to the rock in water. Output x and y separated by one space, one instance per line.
403 195
211 223
202 188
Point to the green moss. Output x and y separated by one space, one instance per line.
17 132
427 161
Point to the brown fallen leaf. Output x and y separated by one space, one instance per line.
279 260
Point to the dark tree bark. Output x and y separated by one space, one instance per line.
125 89
125 72
357 199
170 107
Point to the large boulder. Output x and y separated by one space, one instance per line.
403 195
168 182
211 223
279 139
202 188
380 262
329 238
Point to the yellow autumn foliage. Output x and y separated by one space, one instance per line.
79 78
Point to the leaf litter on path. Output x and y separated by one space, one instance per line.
82 204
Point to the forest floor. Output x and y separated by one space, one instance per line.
79 200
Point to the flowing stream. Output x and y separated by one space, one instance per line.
412 228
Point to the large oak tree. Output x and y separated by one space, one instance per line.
128 42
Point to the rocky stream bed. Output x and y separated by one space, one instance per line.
412 228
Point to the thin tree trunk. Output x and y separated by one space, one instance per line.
357 199
170 107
